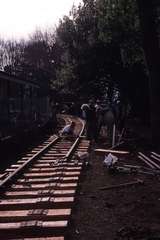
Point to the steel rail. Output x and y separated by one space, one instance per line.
21 168
155 158
70 152
83 126
41 192
150 162
145 161
29 161
156 154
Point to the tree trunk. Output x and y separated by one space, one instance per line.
148 11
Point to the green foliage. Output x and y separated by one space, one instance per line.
101 38
119 25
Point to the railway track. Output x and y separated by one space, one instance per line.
38 192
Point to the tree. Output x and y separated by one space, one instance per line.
149 16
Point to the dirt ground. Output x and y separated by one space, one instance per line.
126 213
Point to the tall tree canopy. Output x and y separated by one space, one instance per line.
100 46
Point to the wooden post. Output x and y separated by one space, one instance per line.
114 135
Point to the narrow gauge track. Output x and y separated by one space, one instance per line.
38 193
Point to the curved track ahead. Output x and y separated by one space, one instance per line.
38 192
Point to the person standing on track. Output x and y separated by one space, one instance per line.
89 113
98 110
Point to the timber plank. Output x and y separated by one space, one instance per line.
40 193
34 214
43 202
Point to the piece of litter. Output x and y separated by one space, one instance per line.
82 155
77 231
110 160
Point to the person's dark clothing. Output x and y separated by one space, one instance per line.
91 123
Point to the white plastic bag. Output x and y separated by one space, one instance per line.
110 160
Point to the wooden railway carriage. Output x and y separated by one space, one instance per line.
22 104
